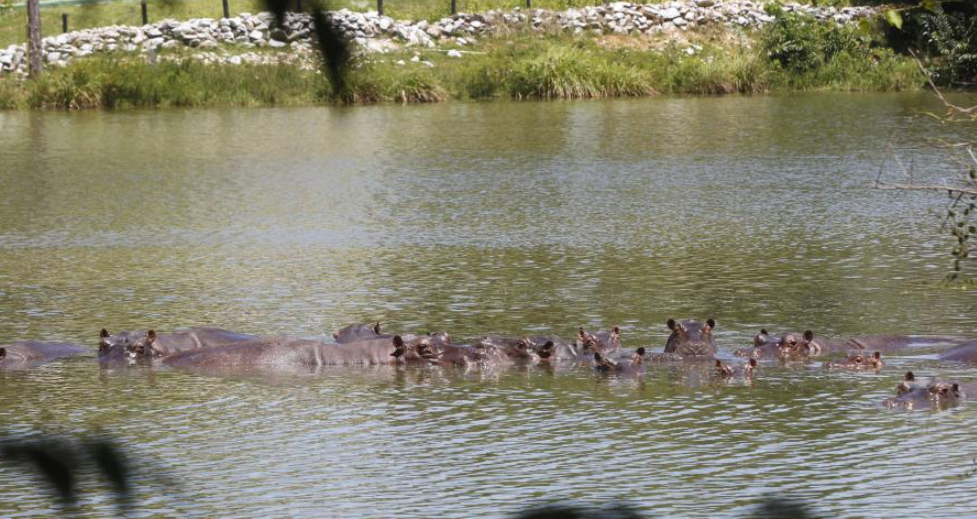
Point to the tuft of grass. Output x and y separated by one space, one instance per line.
112 82
12 94
381 82
568 72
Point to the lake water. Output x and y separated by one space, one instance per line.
488 218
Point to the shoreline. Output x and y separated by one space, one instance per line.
619 50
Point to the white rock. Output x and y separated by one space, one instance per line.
454 54
275 44
670 14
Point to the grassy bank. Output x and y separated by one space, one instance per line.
783 57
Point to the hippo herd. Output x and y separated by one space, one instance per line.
212 349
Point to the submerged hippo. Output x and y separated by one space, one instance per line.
691 338
516 349
601 341
629 365
747 370
794 345
858 361
359 332
291 352
135 345
966 352
28 354
936 394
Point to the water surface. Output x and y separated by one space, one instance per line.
479 218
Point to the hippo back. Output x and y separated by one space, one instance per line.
25 354
289 351
966 352
359 332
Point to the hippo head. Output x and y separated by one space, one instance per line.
143 347
116 345
599 341
357 332
691 338
808 345
936 394
518 349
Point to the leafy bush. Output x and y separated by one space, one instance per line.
944 33
800 43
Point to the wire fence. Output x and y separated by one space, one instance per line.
68 15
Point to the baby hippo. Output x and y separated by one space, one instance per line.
858 362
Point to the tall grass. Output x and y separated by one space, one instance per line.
568 72
522 66
119 82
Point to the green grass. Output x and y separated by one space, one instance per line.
520 66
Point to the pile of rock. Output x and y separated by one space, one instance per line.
377 33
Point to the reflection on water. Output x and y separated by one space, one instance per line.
481 218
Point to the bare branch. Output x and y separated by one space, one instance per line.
925 187
970 111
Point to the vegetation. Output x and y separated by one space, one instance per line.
793 54
944 32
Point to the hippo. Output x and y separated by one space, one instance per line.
936 394
858 361
966 352
769 346
630 365
292 352
555 349
358 332
517 349
691 338
747 370
149 344
29 354
602 341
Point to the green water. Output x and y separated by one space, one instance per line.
487 218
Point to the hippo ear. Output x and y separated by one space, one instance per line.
719 363
335 335
763 331
398 341
376 327
580 333
3 352
104 333
151 336
711 322
549 345
752 363
909 377
877 355
808 335
640 351
671 324
399 352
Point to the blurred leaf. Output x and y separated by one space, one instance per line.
894 18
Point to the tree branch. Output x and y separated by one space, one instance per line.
924 187
969 111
